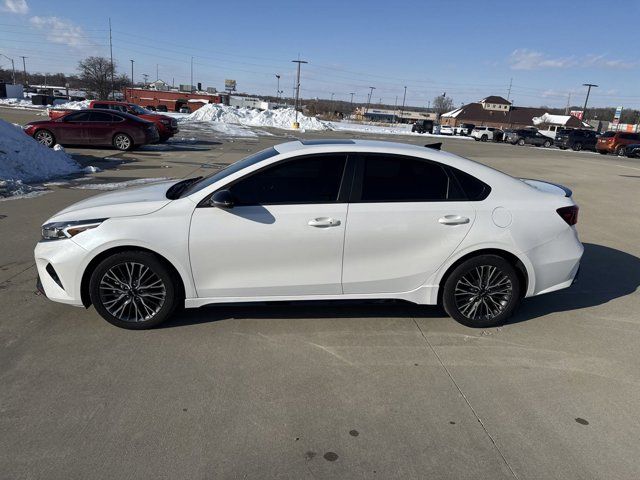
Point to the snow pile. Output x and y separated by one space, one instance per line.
22 159
13 102
398 129
75 105
282 118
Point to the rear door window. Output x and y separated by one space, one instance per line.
393 178
102 117
77 117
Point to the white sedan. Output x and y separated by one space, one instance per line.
316 220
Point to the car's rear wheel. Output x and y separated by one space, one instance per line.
521 142
577 146
621 151
122 141
484 138
45 137
546 144
133 290
482 291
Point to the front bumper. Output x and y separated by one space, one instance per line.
66 259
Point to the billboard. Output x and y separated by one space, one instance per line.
617 115
577 113
230 85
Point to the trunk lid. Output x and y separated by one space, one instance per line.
548 187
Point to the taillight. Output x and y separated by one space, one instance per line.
569 214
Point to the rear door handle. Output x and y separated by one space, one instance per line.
453 220
323 222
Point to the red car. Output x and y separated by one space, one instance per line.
94 127
167 126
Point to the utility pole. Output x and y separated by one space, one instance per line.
510 84
111 53
584 109
145 77
132 82
13 68
369 99
278 87
191 84
157 75
566 110
332 109
295 106
24 70
395 109
404 99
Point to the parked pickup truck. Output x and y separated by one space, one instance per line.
167 126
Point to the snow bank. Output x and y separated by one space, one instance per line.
22 159
281 118
400 129
12 102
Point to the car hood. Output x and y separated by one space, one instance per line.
121 203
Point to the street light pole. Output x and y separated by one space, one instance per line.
24 70
584 109
369 99
278 88
132 82
295 105
404 98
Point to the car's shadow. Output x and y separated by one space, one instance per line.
605 274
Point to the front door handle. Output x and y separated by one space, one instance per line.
453 220
324 222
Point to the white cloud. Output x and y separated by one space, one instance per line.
523 59
16 6
60 30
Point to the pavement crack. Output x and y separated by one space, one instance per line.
475 414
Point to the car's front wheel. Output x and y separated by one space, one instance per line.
482 291
521 142
622 151
546 144
122 141
133 290
577 146
45 137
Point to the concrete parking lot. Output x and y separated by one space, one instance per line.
328 390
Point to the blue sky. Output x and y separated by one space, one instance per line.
468 49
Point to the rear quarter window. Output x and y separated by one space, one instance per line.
472 188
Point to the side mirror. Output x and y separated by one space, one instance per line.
222 199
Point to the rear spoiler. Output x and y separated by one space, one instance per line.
548 187
434 146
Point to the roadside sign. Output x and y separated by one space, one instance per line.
577 113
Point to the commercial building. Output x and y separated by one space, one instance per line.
392 116
498 112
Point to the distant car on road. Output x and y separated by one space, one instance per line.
423 126
446 130
167 126
484 133
633 151
94 127
422 226
576 139
616 142
463 129
528 136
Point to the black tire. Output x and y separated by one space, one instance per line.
455 301
483 138
122 142
546 144
621 151
576 147
141 307
45 137
521 142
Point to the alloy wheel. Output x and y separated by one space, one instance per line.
132 292
122 142
483 292
45 138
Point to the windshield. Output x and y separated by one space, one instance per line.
139 110
233 168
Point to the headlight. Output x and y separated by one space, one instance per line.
166 122
58 230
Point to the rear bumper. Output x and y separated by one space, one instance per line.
556 263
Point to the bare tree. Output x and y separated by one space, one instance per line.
95 73
442 104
